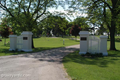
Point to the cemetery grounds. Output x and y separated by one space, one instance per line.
42 43
94 68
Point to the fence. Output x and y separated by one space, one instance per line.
94 44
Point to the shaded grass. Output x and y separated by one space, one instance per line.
99 68
43 43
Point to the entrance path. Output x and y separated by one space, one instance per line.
44 65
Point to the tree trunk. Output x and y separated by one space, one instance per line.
112 35
108 35
32 43
112 41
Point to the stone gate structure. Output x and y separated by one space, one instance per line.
22 42
92 44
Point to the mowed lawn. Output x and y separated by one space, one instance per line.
43 43
98 68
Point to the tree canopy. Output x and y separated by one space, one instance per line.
82 22
98 9
57 24
5 30
103 7
75 30
25 14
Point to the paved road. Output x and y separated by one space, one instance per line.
44 65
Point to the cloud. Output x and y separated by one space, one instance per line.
1 12
70 14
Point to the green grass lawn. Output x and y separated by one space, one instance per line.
98 68
43 43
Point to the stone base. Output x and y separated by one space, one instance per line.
26 50
105 54
82 53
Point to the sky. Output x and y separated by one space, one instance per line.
1 12
59 9
72 17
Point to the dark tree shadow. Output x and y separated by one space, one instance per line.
38 49
59 55
99 61
52 55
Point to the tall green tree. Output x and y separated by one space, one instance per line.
95 6
57 24
114 8
82 22
118 26
5 30
26 13
75 30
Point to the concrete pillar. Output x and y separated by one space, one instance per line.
103 45
27 41
84 36
13 42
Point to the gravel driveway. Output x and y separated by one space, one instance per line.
44 65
